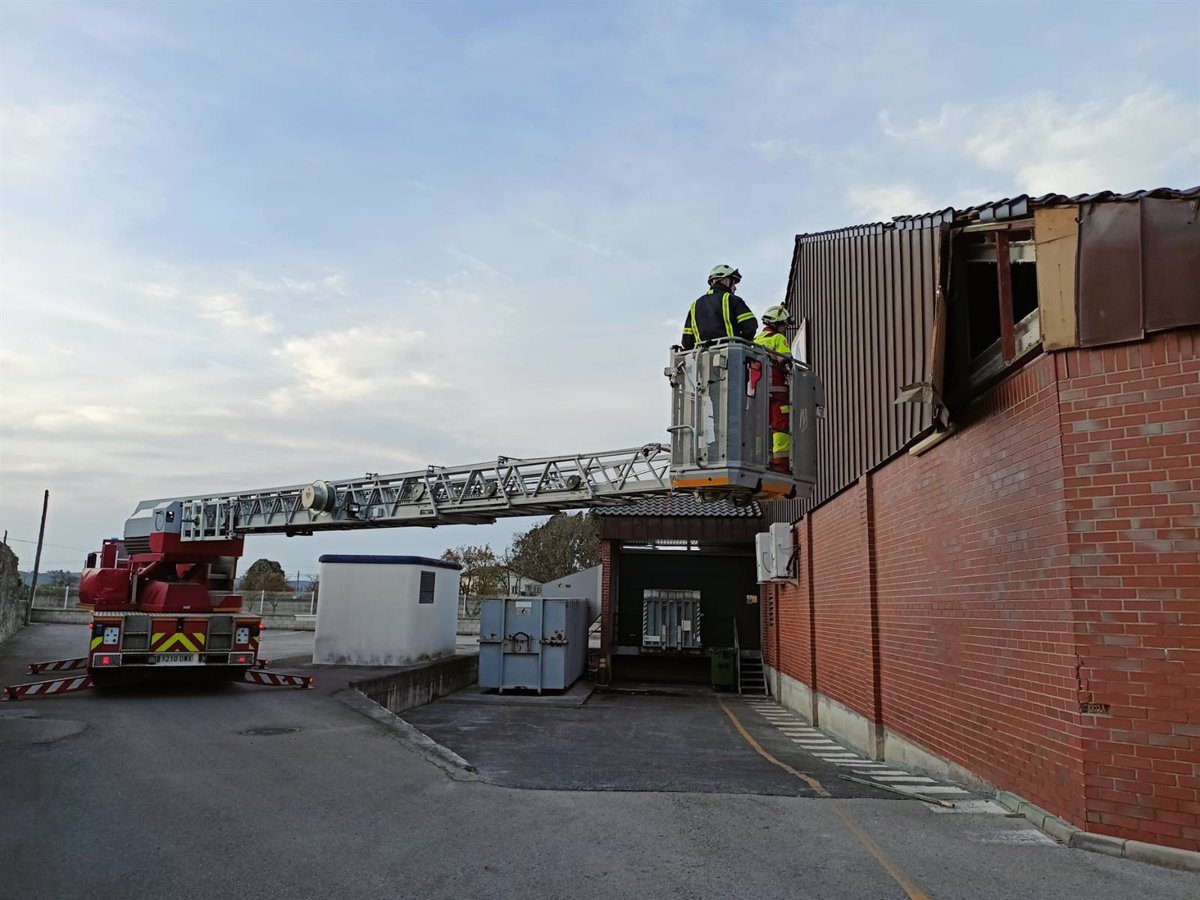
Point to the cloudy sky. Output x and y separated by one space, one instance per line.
263 243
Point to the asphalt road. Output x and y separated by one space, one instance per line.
167 795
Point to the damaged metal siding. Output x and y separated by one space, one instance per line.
870 298
868 295
1139 269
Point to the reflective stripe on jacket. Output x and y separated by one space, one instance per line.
715 316
774 341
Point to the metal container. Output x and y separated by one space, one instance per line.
532 643
671 620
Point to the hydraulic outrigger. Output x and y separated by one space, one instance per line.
163 596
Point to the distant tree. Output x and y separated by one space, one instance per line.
314 585
59 578
561 545
482 574
265 575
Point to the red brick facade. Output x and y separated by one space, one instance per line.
1023 600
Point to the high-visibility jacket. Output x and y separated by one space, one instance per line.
775 341
715 316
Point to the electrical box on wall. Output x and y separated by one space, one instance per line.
783 549
764 556
774 553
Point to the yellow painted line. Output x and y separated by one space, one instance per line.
807 779
910 889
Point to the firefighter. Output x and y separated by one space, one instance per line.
719 313
775 320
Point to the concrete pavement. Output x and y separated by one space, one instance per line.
167 795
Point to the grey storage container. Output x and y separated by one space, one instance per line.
532 643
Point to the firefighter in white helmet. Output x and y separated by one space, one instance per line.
719 313
775 321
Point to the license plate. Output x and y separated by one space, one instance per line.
175 659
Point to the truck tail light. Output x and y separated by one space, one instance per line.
241 659
106 660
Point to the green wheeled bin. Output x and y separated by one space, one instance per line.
724 668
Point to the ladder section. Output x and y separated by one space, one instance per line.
477 494
751 678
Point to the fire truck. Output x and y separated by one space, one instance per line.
163 596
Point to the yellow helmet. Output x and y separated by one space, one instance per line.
776 315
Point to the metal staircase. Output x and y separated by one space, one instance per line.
752 680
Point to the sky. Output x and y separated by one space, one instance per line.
258 244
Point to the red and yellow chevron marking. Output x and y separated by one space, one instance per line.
190 640
96 642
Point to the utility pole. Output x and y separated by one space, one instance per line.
37 558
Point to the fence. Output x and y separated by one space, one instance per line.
271 603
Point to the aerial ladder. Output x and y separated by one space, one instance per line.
163 596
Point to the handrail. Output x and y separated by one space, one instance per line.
737 656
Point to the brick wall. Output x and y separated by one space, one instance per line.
791 647
977 644
1131 446
842 602
1046 556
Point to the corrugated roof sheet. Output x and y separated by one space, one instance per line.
1018 207
682 506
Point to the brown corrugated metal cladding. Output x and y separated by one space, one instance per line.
1139 268
868 295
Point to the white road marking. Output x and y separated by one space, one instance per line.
930 789
915 779
973 807
874 772
1020 836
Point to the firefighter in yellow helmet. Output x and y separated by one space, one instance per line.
720 313
775 320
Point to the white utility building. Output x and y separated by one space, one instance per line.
386 610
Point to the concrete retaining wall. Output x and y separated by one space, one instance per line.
421 684
12 596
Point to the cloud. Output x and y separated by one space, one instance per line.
229 311
42 139
83 415
358 362
1043 145
571 239
478 265
884 202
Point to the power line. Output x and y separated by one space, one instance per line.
55 546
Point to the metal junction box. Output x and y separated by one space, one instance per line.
671 620
532 643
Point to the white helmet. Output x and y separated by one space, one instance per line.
719 272
776 315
